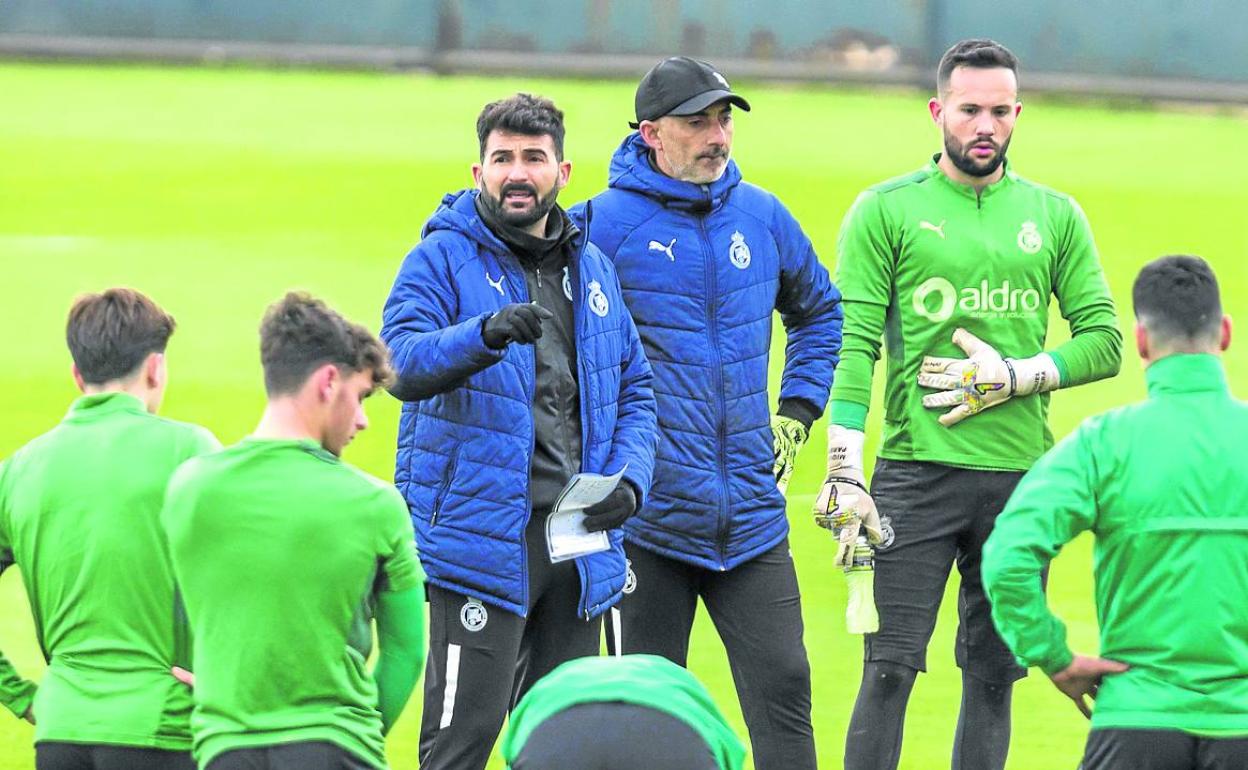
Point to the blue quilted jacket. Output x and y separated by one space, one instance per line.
466 431
703 267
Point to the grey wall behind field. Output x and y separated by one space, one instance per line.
1186 39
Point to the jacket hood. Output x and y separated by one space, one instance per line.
632 170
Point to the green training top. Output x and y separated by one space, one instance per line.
1163 486
280 550
642 680
921 255
79 513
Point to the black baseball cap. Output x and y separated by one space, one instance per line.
681 86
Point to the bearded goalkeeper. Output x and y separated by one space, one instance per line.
953 266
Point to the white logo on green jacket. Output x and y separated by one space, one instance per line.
936 298
1029 238
938 229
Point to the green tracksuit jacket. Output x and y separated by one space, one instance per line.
1163 485
920 255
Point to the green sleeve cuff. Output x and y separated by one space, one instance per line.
19 699
1059 663
1063 374
848 414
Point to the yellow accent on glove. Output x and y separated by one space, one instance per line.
982 380
787 437
843 504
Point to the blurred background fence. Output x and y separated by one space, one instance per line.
1179 49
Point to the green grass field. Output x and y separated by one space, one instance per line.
215 190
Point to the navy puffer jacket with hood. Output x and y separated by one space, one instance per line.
703 268
466 430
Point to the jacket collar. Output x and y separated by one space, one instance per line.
458 213
111 402
1006 181
1186 373
632 169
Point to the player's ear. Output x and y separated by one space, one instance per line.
1141 341
935 108
156 377
154 372
650 134
476 175
327 380
1226 332
78 381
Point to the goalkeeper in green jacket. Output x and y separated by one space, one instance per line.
953 266
1171 554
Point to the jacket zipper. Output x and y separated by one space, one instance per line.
721 536
530 394
587 426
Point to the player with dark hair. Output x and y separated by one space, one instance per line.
285 555
79 514
519 367
953 266
1162 486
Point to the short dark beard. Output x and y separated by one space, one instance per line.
961 158
520 219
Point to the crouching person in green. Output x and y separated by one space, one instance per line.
619 713
1162 485
285 554
80 516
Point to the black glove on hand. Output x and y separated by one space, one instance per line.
612 510
517 322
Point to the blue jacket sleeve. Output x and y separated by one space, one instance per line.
810 308
637 423
431 354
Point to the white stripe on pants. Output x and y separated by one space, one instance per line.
452 685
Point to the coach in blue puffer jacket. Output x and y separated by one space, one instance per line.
519 366
705 260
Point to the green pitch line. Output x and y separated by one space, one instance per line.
216 189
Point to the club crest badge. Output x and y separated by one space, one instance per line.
597 300
473 615
739 252
630 579
886 532
1029 238
567 284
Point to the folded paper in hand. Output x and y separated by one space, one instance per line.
566 536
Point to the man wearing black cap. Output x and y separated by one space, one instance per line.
704 260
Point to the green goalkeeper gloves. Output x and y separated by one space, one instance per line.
787 437
982 380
